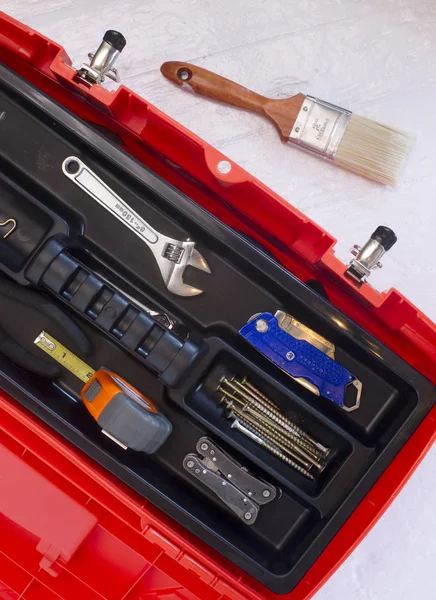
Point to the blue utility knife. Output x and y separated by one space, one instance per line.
304 355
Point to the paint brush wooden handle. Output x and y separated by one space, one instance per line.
331 132
213 86
281 112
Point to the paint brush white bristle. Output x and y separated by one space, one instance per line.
373 150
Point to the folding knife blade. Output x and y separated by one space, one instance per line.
301 332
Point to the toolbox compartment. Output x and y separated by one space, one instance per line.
290 533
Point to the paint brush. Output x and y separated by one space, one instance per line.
365 147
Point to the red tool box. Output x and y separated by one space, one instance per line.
68 527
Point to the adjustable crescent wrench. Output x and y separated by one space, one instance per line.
171 255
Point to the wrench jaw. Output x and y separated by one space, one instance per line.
176 285
172 270
197 261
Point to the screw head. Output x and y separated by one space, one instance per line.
297 129
247 516
305 108
204 447
290 355
262 326
266 493
190 464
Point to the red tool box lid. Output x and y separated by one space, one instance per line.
69 529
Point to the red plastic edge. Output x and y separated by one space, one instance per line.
298 243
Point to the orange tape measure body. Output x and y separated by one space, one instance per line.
103 386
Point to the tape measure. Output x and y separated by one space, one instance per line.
125 415
64 357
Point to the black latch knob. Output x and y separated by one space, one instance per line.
115 39
384 236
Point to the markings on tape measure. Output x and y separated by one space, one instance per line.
64 357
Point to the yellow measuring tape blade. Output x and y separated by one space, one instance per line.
64 357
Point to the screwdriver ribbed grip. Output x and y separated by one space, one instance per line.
158 348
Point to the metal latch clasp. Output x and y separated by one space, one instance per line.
102 61
367 258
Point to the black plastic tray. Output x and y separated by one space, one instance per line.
290 533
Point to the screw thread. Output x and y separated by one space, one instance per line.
271 410
265 435
284 443
274 450
298 441
273 425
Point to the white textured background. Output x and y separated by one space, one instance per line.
375 57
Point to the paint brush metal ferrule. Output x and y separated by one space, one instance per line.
319 127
